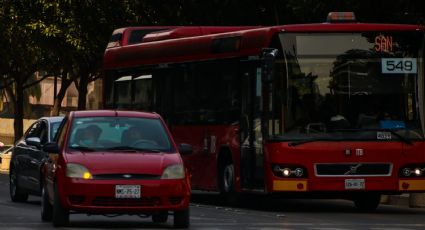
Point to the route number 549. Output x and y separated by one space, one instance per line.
398 65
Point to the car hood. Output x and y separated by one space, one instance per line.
118 163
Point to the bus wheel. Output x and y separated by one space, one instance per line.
228 178
367 202
227 183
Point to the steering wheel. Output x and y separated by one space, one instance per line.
316 128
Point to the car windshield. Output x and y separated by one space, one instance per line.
119 134
349 86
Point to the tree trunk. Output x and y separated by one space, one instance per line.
82 91
59 98
18 122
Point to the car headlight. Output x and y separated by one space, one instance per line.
77 171
173 172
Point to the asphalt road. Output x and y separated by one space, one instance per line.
209 212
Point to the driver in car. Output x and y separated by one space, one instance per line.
90 136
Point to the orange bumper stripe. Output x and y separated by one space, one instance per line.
290 185
411 185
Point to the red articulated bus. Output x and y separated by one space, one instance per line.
333 108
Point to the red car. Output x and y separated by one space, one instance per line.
115 162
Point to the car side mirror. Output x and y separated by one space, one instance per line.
185 149
51 147
34 141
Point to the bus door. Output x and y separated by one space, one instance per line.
252 176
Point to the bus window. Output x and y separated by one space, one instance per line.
349 85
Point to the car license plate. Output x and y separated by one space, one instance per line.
127 191
354 184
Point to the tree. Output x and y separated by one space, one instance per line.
21 54
89 24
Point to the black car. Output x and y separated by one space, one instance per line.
28 158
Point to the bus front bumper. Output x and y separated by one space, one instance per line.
349 185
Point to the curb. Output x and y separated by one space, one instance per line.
398 200
4 171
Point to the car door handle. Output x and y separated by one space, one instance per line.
33 162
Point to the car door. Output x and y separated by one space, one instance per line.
37 157
51 162
23 153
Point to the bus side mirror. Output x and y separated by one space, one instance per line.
185 149
269 56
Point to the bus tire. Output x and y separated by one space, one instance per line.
367 202
227 182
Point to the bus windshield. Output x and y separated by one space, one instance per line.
331 84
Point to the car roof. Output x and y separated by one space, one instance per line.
53 119
114 113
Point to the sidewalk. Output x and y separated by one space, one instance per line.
398 200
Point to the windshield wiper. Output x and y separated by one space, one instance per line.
400 137
393 132
132 149
300 142
83 148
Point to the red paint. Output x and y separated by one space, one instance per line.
187 44
115 163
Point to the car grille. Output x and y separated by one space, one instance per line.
126 177
141 202
354 169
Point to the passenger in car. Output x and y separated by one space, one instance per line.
131 135
90 136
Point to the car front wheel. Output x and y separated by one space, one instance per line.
46 207
60 215
16 193
161 217
181 218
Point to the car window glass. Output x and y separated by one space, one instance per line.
43 132
54 126
60 137
34 130
119 132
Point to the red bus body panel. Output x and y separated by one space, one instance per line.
178 45
207 142
309 154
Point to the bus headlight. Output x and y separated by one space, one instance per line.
289 171
417 170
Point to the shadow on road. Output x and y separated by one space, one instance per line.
278 204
